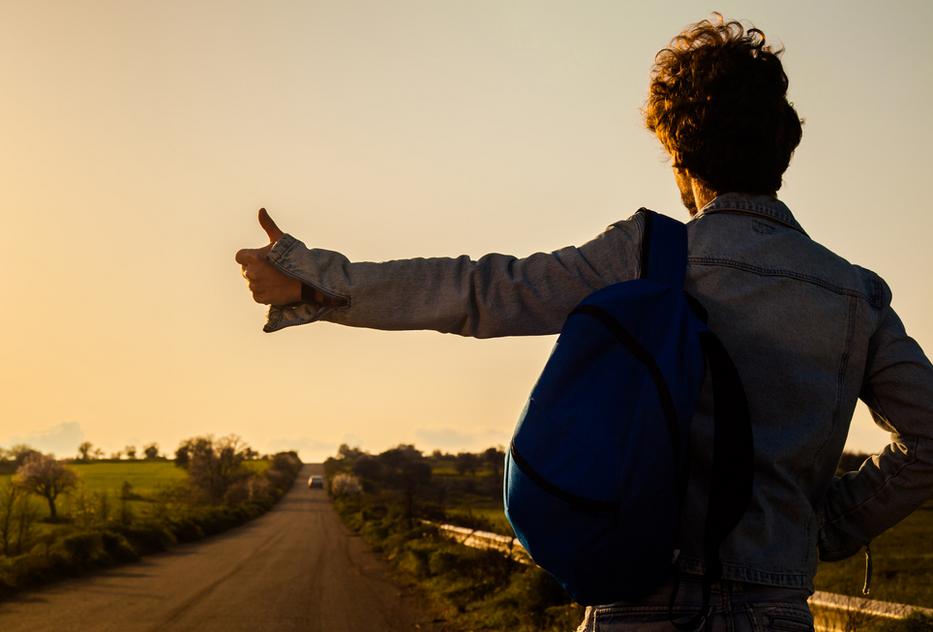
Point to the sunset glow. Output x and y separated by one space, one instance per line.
141 138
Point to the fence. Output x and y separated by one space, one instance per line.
831 611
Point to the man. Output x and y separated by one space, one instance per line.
809 332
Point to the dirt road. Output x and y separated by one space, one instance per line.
295 568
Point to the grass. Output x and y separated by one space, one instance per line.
902 561
471 500
493 516
146 477
95 530
258 466
467 588
902 558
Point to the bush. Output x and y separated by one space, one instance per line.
104 539
118 548
28 569
148 537
345 485
486 589
916 622
186 529
444 561
86 549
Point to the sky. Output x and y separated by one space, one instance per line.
140 138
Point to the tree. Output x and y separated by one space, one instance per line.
22 452
85 450
42 475
116 456
17 518
467 463
495 458
130 452
151 451
183 453
368 468
405 467
213 465
349 454
98 453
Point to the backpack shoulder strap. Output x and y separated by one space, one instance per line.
663 249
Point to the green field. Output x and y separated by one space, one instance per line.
146 478
493 515
120 510
902 560
902 557
471 499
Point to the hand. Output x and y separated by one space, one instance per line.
268 285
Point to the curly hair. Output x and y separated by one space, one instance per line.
718 103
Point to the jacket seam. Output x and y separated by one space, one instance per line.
742 572
731 263
851 314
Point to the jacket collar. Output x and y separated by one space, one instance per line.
761 205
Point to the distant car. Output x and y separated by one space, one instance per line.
316 481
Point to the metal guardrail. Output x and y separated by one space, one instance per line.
510 546
863 605
841 606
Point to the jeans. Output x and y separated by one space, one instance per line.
734 607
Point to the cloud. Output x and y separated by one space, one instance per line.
62 439
457 439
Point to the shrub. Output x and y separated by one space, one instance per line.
186 529
916 622
102 540
345 485
85 548
18 518
118 548
148 537
444 561
30 568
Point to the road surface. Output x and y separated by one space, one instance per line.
295 568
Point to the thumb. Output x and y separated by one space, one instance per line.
269 226
247 256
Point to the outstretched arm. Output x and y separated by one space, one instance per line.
496 295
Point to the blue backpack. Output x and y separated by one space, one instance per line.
596 473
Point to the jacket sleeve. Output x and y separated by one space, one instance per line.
898 389
496 295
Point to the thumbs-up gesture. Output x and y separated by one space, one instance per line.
266 282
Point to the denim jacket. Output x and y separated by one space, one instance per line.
809 332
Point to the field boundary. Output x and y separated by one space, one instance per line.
512 548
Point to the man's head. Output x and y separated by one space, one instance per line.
718 103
